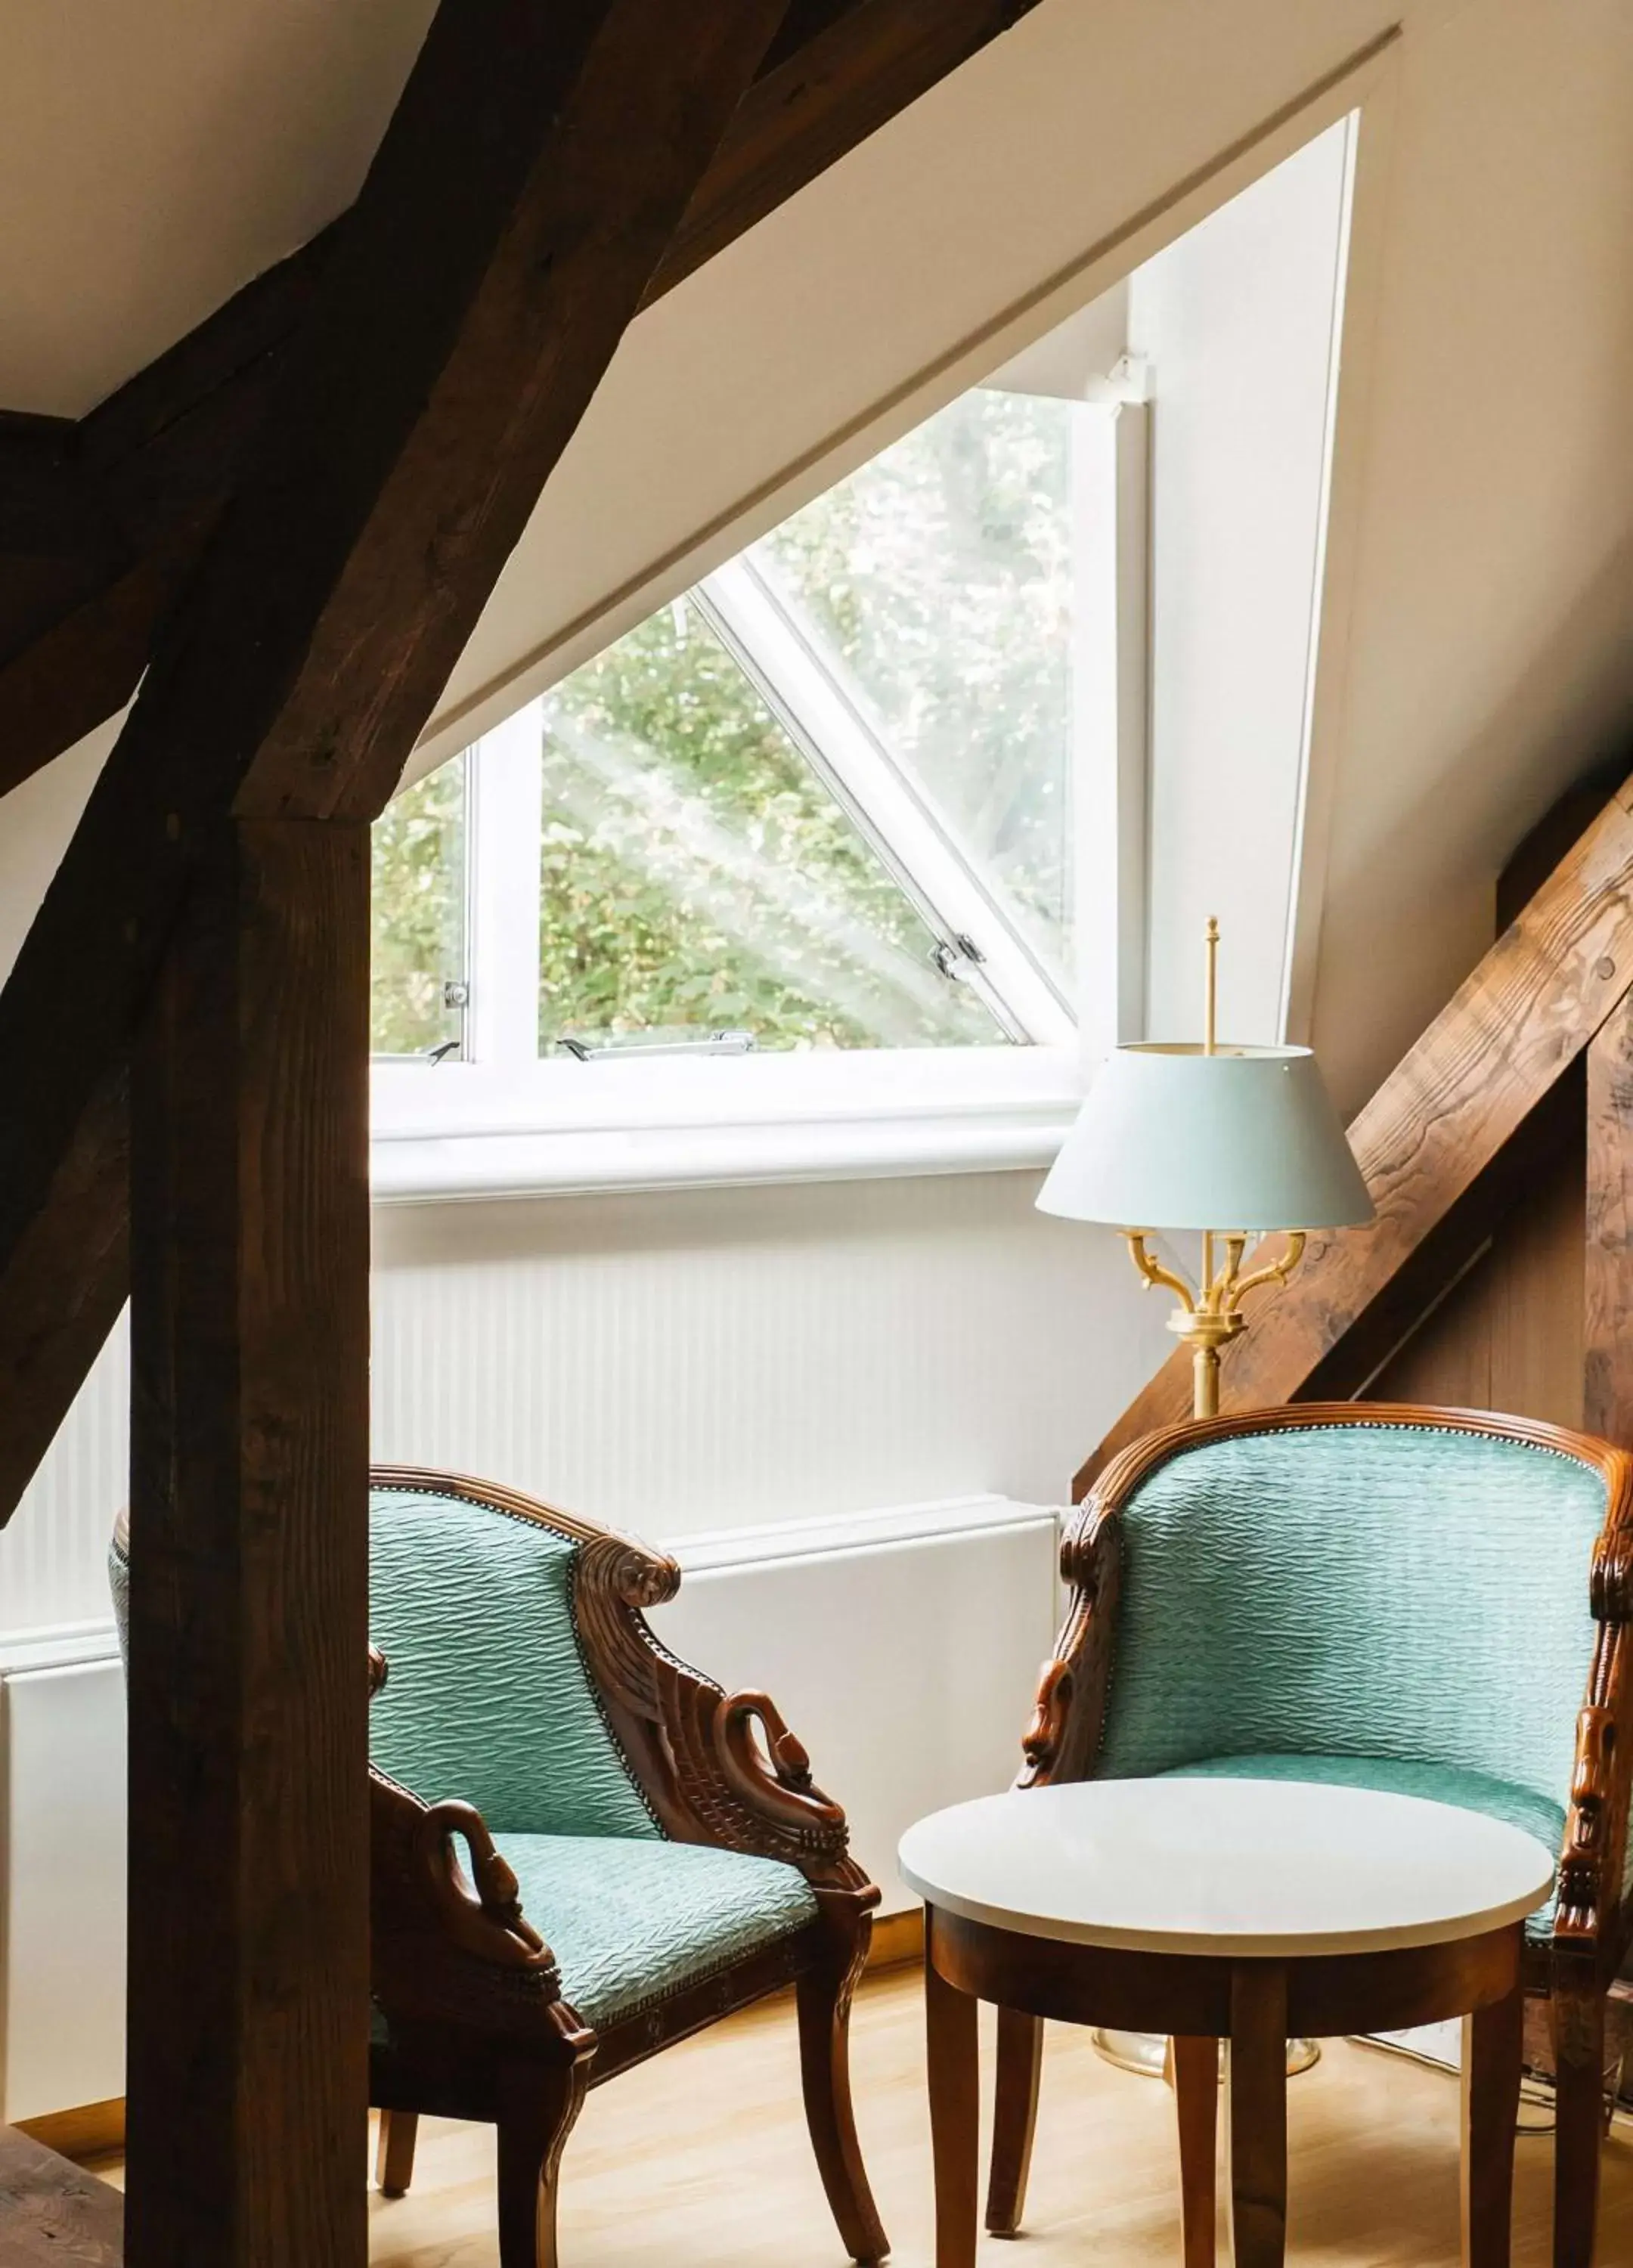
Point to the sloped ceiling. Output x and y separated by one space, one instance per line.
153 157
156 154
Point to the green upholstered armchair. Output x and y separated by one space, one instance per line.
1432 1601
644 1852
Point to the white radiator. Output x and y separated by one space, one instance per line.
63 1888
901 1646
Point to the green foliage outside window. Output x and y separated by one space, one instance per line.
419 914
942 575
697 875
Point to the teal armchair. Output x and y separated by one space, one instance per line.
1431 1601
643 1852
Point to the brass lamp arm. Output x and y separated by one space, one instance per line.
1277 1271
1154 1272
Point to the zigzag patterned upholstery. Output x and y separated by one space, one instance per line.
1393 1607
488 1699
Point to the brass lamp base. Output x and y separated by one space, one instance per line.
1146 2053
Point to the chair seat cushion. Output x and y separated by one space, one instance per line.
632 1923
1465 1791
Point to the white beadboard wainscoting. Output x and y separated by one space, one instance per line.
902 1646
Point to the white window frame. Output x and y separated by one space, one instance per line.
502 1122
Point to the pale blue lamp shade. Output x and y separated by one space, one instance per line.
1173 1137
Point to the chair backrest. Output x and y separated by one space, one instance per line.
488 1697
1361 1587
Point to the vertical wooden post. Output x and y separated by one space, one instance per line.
248 1808
1607 1365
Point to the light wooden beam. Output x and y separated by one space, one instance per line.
1607 1372
1445 1143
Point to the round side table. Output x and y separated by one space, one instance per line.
1244 1910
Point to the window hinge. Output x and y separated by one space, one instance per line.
955 955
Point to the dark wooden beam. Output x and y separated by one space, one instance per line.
46 505
212 910
1607 1372
162 454
248 1987
1445 1143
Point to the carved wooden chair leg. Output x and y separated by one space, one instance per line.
823 1996
1579 2121
537 2111
394 2158
1014 2117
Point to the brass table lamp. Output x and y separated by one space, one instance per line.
1234 1141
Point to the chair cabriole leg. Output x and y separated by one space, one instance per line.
394 2157
1579 2119
537 2110
823 1996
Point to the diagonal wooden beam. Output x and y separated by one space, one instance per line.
412 429
1445 1144
155 462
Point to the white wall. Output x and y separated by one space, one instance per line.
706 1359
1236 318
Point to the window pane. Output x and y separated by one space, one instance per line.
697 876
419 915
939 577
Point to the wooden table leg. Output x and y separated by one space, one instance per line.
1493 2042
954 2109
1014 2117
1196 2072
1256 2115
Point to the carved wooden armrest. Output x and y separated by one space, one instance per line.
453 1948
1591 1918
1063 1737
696 1749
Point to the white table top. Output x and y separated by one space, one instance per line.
1223 1866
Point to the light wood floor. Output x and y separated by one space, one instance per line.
699 2160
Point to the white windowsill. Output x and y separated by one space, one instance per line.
459 1132
431 1167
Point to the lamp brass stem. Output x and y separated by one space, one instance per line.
1207 1318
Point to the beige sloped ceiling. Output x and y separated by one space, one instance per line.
150 159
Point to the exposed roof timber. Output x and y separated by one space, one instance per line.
1447 1145
43 495
143 474
363 611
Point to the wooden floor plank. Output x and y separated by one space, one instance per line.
50 2210
699 2160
